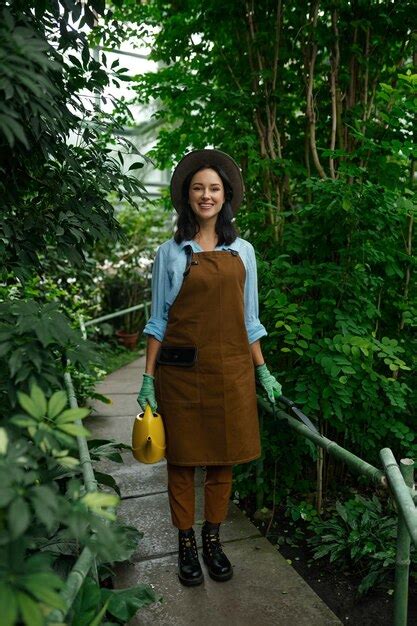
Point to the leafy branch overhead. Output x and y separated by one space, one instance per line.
56 144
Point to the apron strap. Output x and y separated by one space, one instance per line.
189 252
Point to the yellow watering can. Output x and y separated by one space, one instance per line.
148 437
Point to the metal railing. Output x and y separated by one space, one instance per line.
86 560
398 479
110 316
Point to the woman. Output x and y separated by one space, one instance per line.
203 352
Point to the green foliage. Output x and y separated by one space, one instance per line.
49 423
115 356
33 339
301 511
58 203
45 511
120 605
59 174
123 270
28 587
359 537
85 381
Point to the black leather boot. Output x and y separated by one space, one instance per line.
189 568
218 564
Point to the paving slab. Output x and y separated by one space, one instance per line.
119 385
136 479
118 427
151 515
123 380
121 404
139 363
264 591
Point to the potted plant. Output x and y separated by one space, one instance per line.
126 278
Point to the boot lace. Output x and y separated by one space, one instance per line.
188 549
213 543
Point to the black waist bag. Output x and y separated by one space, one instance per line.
183 356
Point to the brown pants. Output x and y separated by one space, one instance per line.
217 489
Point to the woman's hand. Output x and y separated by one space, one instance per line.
147 393
268 382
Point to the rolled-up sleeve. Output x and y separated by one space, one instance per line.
158 320
254 327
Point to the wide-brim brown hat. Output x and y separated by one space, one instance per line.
207 156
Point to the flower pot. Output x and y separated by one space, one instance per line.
129 340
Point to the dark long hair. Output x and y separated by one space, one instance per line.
187 224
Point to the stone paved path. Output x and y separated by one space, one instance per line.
264 591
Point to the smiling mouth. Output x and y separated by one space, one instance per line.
206 206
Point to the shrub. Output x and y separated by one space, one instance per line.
360 536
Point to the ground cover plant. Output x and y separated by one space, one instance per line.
360 535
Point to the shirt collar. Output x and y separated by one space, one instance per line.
194 245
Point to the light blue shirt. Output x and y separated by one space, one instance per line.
167 277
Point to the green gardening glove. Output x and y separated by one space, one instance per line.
268 382
147 393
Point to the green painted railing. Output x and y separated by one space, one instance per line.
399 479
401 482
86 560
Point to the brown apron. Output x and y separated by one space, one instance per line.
210 409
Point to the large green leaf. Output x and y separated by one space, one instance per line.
6 496
39 399
4 440
74 429
99 617
24 421
42 332
86 604
18 515
42 593
108 480
46 505
46 579
30 610
70 415
57 403
8 604
124 603
31 407
69 462
97 500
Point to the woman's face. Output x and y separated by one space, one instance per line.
206 194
